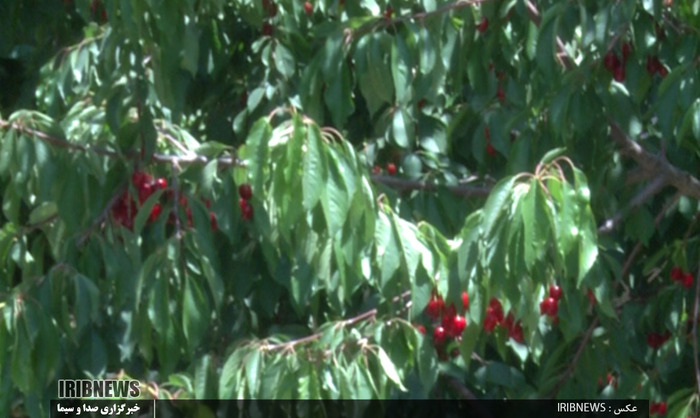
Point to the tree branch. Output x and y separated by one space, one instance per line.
577 356
652 188
684 182
403 184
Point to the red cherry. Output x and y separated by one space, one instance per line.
548 306
611 61
245 192
661 408
516 333
391 169
247 211
458 324
155 212
501 94
653 65
626 51
490 150
139 178
388 13
490 321
213 221
439 336
555 291
663 72
591 297
145 191
267 29
450 311
687 280
495 304
308 8
676 273
420 329
161 183
435 307
653 340
619 74
465 301
483 26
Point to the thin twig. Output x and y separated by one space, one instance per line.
652 188
569 370
403 184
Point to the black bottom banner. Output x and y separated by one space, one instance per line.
349 408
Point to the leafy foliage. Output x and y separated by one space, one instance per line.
533 145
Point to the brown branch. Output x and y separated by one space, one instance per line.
569 370
652 188
535 17
684 182
403 184
225 161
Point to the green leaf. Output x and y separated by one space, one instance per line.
284 61
43 212
256 152
390 369
253 362
315 175
496 204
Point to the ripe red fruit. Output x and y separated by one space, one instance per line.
435 307
687 280
245 192
663 72
465 301
388 12
161 183
145 191
391 169
653 340
458 324
661 408
490 321
611 61
247 212
308 8
490 150
676 273
501 94
654 65
439 336
213 221
420 329
548 306
155 212
267 29
591 297
497 308
483 25
619 74
555 291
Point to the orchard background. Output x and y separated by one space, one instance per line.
351 199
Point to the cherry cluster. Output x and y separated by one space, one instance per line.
683 278
446 321
494 317
246 193
483 25
390 169
615 65
125 209
656 340
655 66
550 305
657 408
